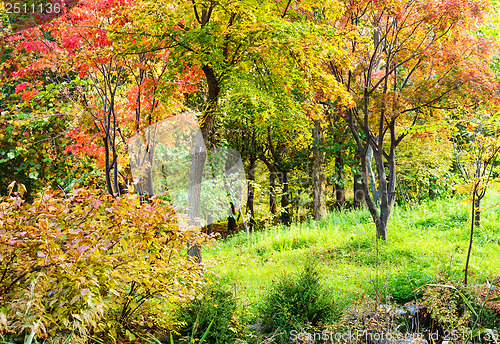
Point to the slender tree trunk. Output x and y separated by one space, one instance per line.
371 176
472 224
198 158
210 225
386 189
272 192
285 199
338 188
432 184
297 203
477 211
359 193
231 220
251 194
318 173
199 155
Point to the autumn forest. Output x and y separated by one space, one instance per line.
249 171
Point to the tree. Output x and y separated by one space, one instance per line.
318 172
217 37
116 93
476 151
411 59
424 163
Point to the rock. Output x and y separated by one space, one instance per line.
486 286
420 318
254 327
417 341
413 309
391 309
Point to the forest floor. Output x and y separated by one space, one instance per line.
426 241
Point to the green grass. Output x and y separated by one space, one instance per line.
428 240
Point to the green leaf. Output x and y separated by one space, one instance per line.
206 331
478 331
130 335
33 175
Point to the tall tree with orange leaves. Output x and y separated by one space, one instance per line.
411 60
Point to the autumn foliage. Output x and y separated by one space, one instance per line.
81 264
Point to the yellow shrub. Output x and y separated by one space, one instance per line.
83 265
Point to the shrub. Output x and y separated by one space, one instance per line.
489 311
89 265
295 301
215 305
446 306
405 286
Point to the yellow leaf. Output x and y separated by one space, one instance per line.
43 224
10 187
22 189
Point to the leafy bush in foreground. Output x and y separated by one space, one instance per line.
87 265
216 305
406 285
297 300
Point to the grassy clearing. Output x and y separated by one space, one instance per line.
428 240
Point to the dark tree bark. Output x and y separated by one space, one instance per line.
108 125
231 219
338 188
285 199
477 212
199 155
272 192
432 184
359 193
276 151
251 193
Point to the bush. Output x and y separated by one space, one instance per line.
87 265
490 312
295 301
404 286
446 307
215 305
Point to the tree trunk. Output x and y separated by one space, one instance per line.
297 203
472 225
285 199
386 189
231 220
371 176
210 225
251 194
338 188
199 155
272 192
477 212
432 184
318 173
198 158
359 193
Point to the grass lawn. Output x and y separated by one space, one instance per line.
426 241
